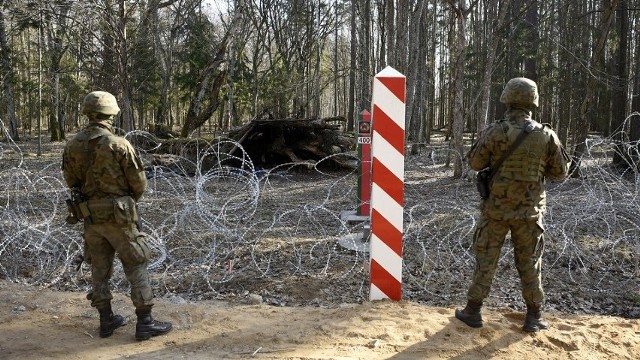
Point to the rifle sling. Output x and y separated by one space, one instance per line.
525 131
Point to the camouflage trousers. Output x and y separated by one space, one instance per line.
528 245
103 241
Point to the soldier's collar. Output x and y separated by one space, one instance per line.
518 115
103 124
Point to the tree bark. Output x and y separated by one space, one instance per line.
492 47
7 82
123 69
415 80
634 128
457 127
57 37
206 97
352 70
365 52
533 40
596 65
619 91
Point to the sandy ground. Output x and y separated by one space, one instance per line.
38 323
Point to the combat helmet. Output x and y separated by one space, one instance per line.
100 102
520 91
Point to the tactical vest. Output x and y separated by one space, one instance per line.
88 146
527 162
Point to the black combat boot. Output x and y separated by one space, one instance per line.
470 315
533 321
109 321
147 327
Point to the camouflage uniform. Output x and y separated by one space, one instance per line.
111 176
104 168
516 202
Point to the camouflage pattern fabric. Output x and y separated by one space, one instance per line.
511 197
528 245
103 241
517 201
115 169
111 176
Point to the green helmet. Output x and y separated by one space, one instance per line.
100 102
520 91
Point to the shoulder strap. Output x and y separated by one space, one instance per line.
525 131
89 148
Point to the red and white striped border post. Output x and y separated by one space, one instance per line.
387 191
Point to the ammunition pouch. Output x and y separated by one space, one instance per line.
483 182
124 210
120 210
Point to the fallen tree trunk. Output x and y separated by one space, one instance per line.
308 142
267 142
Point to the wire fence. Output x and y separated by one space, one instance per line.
228 231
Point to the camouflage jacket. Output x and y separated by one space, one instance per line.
517 189
103 165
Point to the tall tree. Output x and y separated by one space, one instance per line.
620 85
606 19
152 59
460 11
206 98
634 131
121 45
416 71
493 38
57 29
390 31
7 76
365 74
353 46
532 41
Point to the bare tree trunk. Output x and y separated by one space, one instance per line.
389 16
365 49
123 70
402 31
458 95
634 128
335 60
620 88
105 77
150 33
431 68
7 82
596 65
55 126
492 45
415 79
533 40
57 36
230 112
565 78
352 70
206 98
457 126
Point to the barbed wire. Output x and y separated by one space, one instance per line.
218 226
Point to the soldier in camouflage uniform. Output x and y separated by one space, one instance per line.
109 175
516 202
